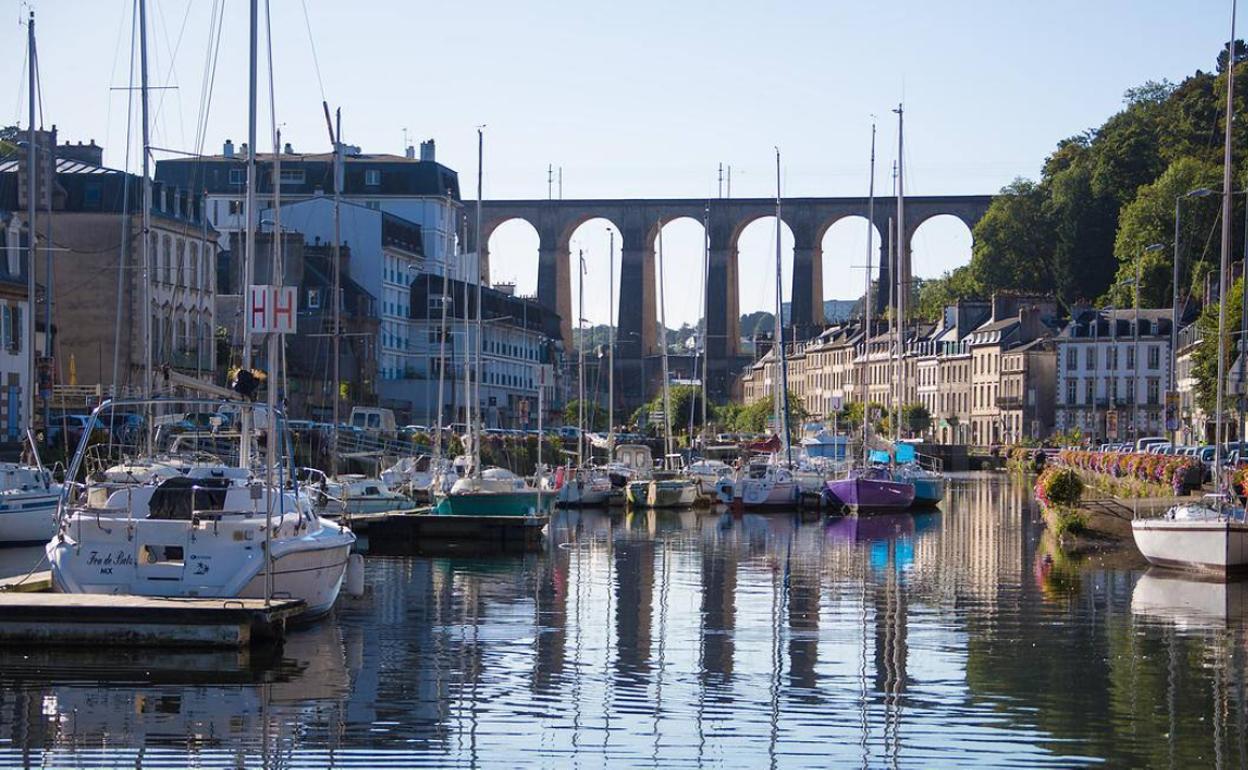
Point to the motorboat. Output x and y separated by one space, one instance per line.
28 499
413 475
1209 536
665 490
582 487
868 489
494 492
923 472
355 495
201 533
760 485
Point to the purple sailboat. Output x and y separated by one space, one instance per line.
869 489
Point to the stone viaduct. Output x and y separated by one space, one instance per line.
638 222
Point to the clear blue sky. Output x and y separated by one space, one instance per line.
645 98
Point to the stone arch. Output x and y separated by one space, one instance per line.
940 242
755 256
681 276
512 248
595 236
842 249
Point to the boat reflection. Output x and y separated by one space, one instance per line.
1189 602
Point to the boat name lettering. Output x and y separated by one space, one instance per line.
118 559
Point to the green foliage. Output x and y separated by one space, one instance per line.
684 398
1149 219
752 418
595 415
915 418
1105 195
1205 357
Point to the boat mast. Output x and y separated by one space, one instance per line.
251 215
1224 270
276 340
580 358
902 263
706 270
478 423
446 270
782 396
667 400
866 301
31 192
335 138
611 349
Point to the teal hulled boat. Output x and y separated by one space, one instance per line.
523 503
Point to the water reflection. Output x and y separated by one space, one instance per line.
956 637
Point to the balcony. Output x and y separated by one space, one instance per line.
1009 402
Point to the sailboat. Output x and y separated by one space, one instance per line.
927 480
28 495
583 486
666 488
220 529
870 486
770 484
1210 535
486 491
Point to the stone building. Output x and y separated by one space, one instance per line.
92 218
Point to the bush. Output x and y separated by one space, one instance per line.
1178 474
1059 487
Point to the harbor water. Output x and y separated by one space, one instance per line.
959 637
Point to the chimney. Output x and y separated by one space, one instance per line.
228 149
410 153
91 154
242 149
286 148
427 151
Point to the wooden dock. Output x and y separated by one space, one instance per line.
133 621
424 533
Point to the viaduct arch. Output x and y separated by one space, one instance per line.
638 223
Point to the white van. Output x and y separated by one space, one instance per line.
372 419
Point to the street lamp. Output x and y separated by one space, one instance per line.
1173 381
1151 248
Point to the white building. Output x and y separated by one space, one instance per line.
1112 373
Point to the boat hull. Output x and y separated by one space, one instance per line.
1215 547
863 494
928 491
517 503
224 563
27 519
759 493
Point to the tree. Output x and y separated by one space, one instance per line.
1013 243
1149 219
595 415
684 398
938 293
915 418
1205 356
754 418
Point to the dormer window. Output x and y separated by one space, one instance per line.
372 177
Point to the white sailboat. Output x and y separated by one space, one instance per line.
583 486
770 484
1211 535
28 495
485 491
667 488
217 529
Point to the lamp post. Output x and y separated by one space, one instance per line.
1139 366
1172 382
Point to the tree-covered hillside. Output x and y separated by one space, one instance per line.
1106 195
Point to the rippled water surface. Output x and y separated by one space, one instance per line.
953 638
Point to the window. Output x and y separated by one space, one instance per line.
238 176
1111 358
1131 357
1072 359
314 299
1089 359
236 207
1154 357
1089 391
1154 391
372 177
91 196
292 176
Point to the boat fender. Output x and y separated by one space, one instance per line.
355 575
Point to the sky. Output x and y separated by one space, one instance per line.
638 99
